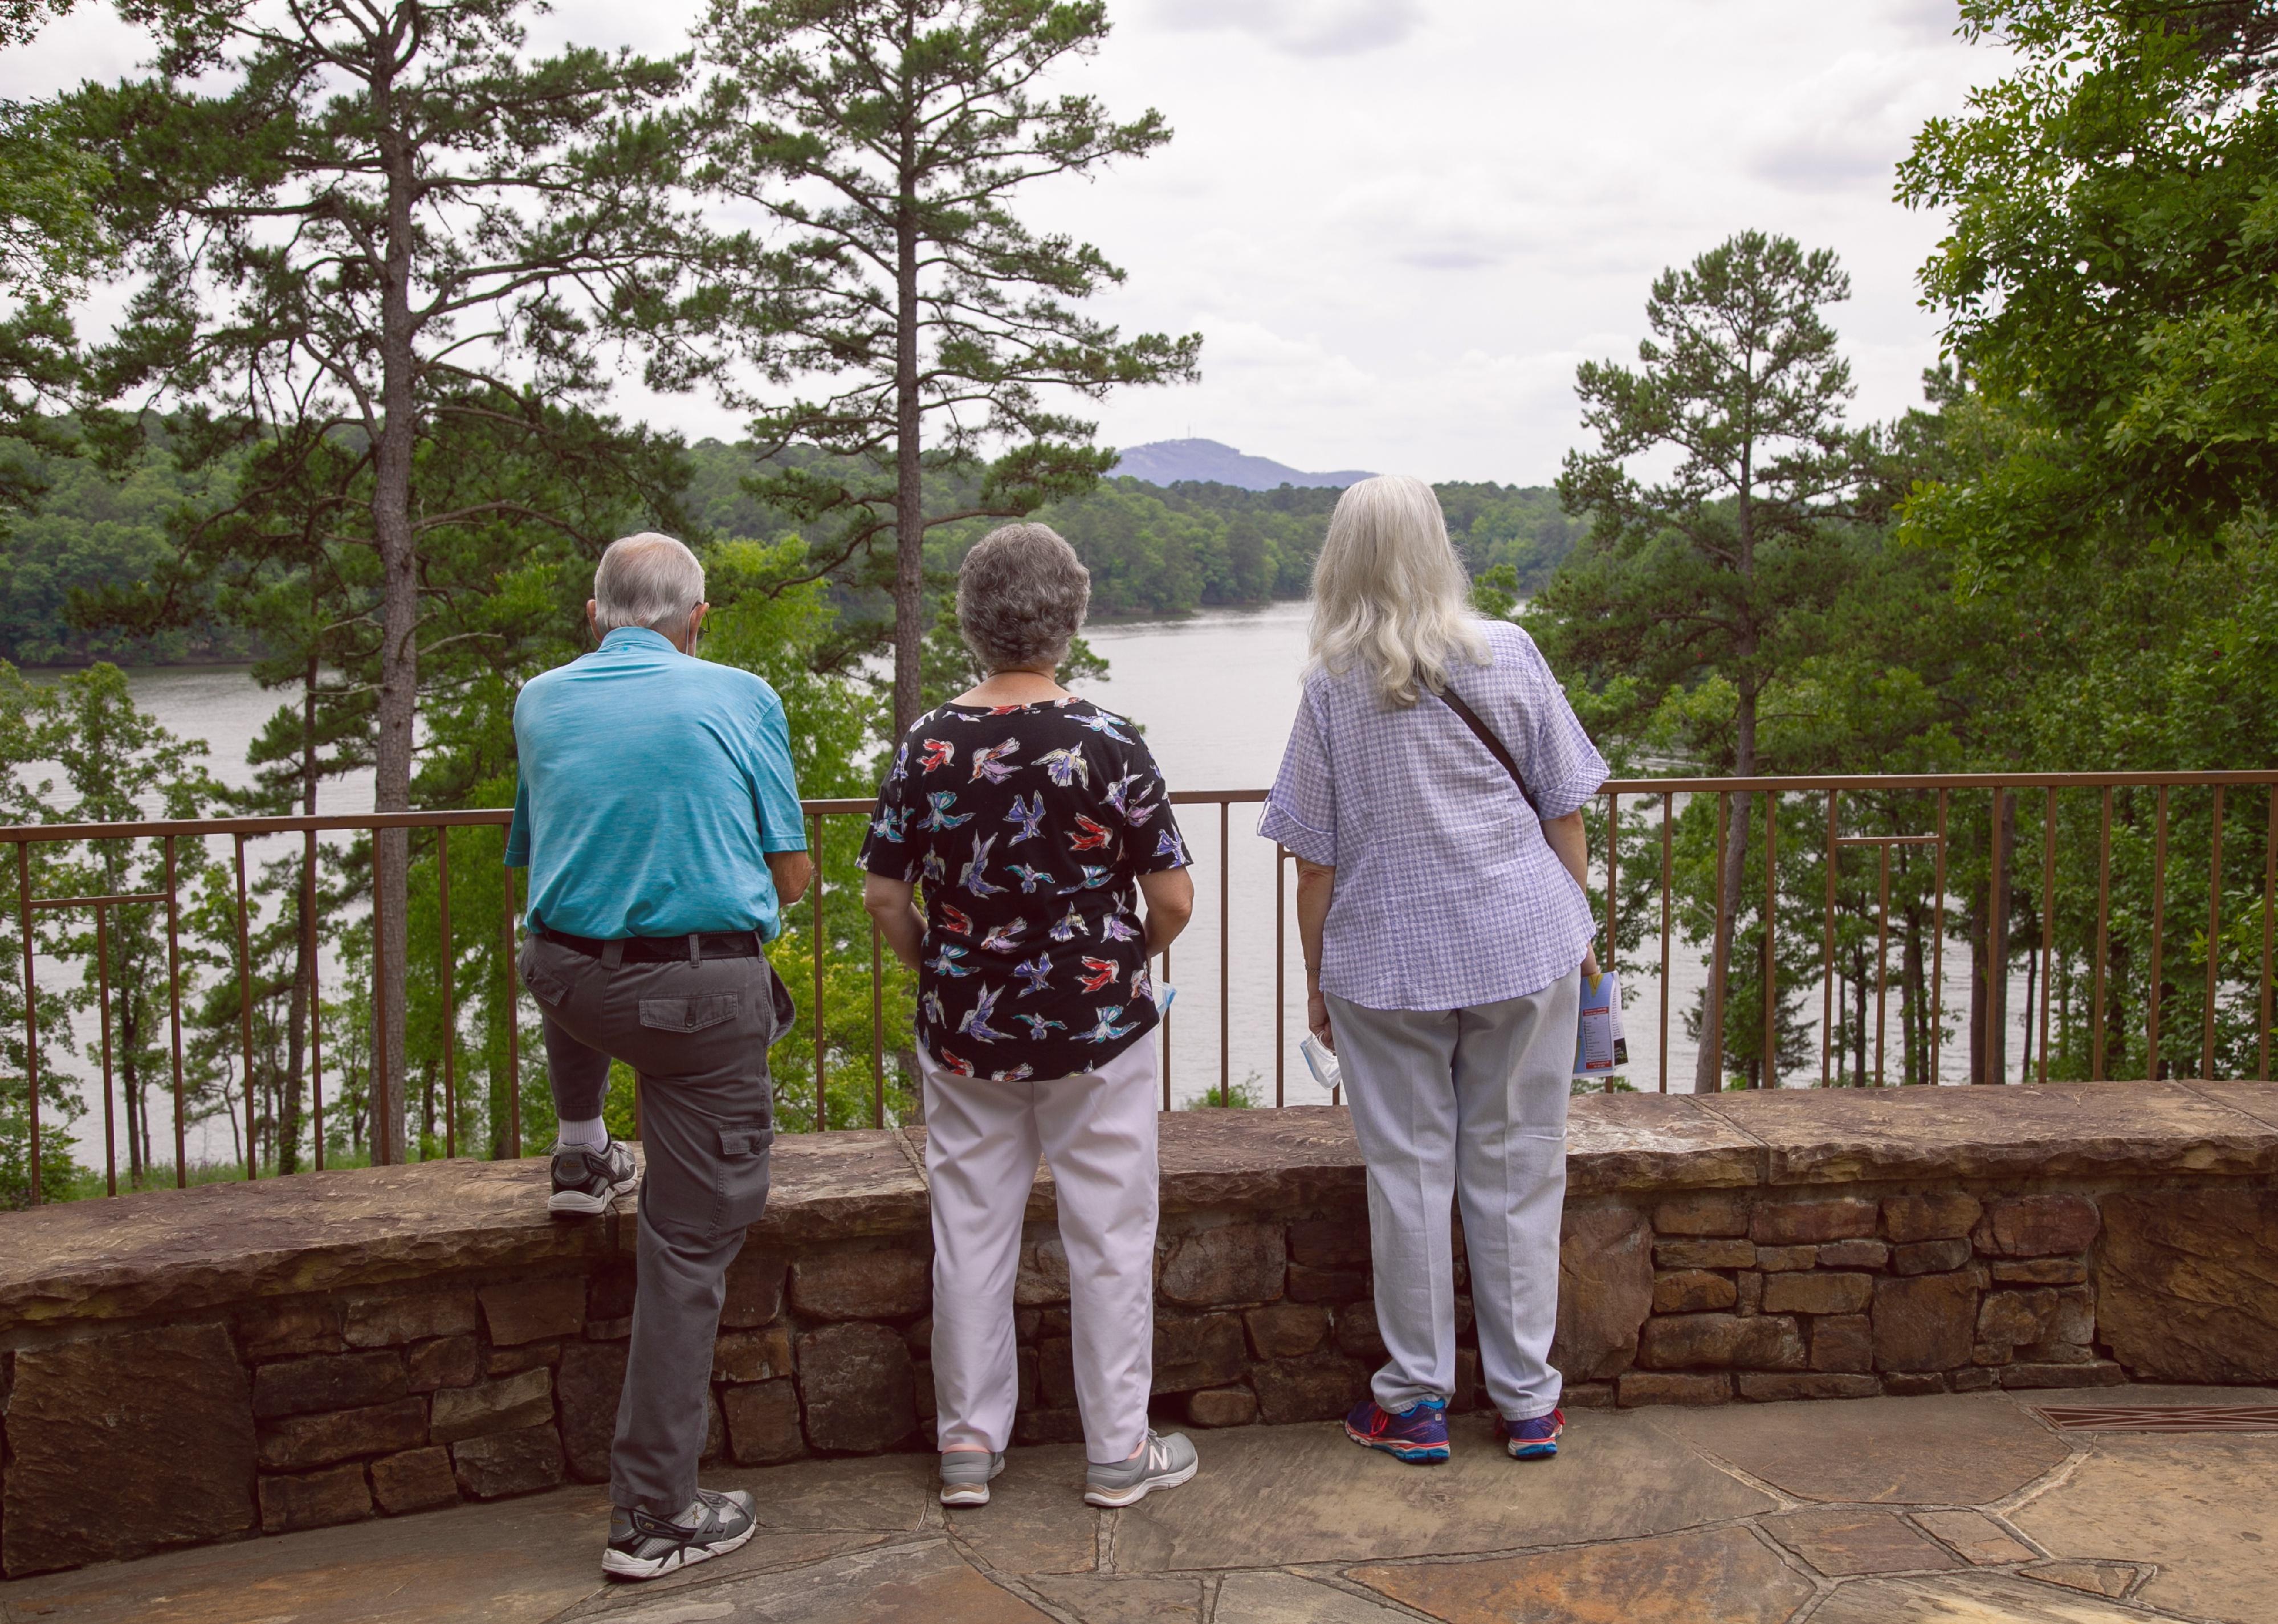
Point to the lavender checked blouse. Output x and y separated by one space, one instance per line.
1448 895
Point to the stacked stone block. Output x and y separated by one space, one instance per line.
1769 1297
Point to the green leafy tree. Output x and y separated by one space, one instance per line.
2106 280
1711 575
888 139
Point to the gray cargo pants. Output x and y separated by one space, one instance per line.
697 1035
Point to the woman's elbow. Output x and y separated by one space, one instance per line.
882 899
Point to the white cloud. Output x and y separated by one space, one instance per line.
1848 126
1302 28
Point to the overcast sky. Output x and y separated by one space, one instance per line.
1398 224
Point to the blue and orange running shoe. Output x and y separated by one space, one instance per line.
1418 1435
1532 1440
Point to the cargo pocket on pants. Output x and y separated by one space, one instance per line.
688 1014
741 1193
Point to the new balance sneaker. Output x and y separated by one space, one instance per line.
586 1181
1532 1440
1164 1463
1418 1435
965 1475
642 1546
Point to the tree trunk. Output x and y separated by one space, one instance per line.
288 1128
1910 997
909 488
399 654
1708 1072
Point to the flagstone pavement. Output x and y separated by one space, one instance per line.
1940 1510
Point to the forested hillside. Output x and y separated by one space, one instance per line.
1168 549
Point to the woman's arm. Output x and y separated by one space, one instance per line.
891 903
1170 903
1571 842
1315 881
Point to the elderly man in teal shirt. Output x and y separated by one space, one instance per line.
658 815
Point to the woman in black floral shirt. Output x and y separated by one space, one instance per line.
1035 822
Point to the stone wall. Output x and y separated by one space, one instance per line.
180 1367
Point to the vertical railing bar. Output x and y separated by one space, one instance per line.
2159 931
32 1014
1827 946
450 1009
174 1012
1715 1033
1770 1077
102 1003
1225 963
511 905
2269 909
245 1011
1993 1060
1883 964
316 1002
2103 939
877 1028
2049 921
1166 1033
1613 888
1668 804
1613 874
382 1107
1937 951
821 1098
1280 973
2214 939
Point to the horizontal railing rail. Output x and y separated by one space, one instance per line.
1891 821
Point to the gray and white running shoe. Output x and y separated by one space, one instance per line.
1165 1463
642 1546
965 1475
586 1182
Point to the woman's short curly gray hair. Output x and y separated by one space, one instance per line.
1021 597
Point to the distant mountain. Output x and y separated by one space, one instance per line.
1162 462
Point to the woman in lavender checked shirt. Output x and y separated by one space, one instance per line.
1444 924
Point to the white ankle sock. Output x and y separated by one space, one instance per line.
591 1135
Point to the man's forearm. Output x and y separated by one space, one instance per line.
792 871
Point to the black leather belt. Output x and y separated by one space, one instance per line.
663 949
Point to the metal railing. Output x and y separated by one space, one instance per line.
1861 813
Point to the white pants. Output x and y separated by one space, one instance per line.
1097 1132
1465 1106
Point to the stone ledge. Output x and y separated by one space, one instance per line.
168 1252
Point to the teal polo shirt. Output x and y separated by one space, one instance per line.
651 787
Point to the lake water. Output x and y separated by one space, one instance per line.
1216 694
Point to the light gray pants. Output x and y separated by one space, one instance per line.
1469 1106
1097 1132
696 1037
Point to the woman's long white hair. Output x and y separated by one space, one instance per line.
1389 595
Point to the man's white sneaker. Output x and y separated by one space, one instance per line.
588 1182
642 1546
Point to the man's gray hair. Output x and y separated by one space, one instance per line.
646 580
1021 597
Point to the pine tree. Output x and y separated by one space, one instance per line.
373 219
888 139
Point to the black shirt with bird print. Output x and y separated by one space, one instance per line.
1027 827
